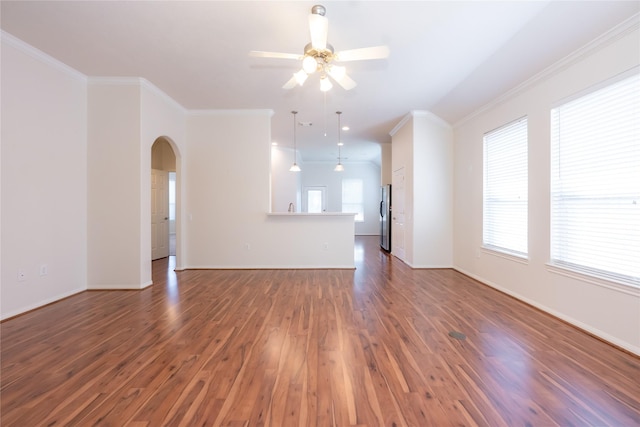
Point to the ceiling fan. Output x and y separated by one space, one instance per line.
319 56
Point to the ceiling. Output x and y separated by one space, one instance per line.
447 57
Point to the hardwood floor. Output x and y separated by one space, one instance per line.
369 347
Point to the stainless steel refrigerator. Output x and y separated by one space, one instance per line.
385 217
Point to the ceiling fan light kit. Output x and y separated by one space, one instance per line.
319 56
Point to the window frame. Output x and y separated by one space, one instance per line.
518 130
576 265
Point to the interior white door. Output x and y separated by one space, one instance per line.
159 214
397 214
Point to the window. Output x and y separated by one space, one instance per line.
505 195
595 182
352 198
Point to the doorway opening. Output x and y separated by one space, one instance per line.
163 199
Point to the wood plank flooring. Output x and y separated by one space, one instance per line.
369 347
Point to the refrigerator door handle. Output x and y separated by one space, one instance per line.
381 214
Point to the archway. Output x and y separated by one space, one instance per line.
164 200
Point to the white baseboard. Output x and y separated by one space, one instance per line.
270 267
119 287
435 267
590 329
40 303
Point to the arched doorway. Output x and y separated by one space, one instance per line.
163 199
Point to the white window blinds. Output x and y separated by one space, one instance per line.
353 198
595 182
505 195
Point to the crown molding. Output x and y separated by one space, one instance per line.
39 55
160 93
420 114
400 124
624 28
136 81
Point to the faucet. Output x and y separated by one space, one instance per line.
291 208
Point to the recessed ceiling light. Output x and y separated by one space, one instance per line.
274 143
345 127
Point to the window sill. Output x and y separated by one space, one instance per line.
506 255
593 279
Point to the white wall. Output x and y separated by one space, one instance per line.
323 175
227 223
385 162
114 185
126 116
608 310
432 191
44 191
423 146
285 185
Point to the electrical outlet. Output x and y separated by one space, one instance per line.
44 270
325 246
22 276
247 246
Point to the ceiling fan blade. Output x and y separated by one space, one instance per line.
291 83
278 55
338 74
375 52
318 27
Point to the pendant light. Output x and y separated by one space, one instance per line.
294 167
339 167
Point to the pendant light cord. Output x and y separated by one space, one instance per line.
295 149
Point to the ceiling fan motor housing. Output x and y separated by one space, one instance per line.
322 56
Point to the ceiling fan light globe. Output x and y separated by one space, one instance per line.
309 64
325 84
